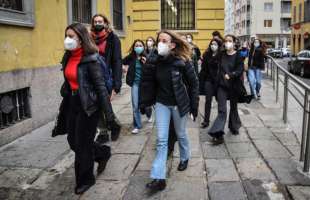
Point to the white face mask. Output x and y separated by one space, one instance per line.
189 40
214 47
229 45
149 44
70 44
256 44
163 49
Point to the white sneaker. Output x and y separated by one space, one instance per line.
135 131
150 120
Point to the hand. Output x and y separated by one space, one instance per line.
112 95
143 59
226 77
125 69
193 118
194 114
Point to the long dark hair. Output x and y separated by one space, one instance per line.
154 43
263 46
131 50
87 42
182 50
208 51
105 19
217 33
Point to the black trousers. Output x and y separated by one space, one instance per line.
148 112
217 129
81 133
210 91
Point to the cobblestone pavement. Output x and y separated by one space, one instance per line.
259 163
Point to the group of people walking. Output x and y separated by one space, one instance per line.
164 76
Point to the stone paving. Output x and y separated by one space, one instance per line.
259 163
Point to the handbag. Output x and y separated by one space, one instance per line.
60 120
243 95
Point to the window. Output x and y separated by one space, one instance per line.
268 7
17 12
294 14
307 11
12 4
14 107
267 23
178 14
118 15
81 10
300 11
286 6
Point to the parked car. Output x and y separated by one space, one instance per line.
301 64
286 52
276 53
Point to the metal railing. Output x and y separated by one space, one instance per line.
274 70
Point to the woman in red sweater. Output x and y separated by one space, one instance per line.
86 96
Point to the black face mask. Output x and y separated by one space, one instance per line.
99 27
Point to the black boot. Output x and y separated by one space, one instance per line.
183 165
157 185
83 188
218 140
102 163
234 132
204 124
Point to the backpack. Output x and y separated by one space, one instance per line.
107 73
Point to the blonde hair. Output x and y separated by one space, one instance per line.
182 50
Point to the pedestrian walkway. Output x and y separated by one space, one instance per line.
259 163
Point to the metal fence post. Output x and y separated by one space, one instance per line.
304 126
268 65
271 70
307 150
274 67
285 98
277 85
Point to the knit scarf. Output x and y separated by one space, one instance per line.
101 40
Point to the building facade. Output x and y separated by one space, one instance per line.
268 20
31 46
229 17
300 25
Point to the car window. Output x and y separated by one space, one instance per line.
302 54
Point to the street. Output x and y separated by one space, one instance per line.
284 61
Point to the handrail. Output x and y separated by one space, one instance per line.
292 77
305 140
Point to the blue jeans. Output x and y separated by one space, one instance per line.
162 115
255 80
135 106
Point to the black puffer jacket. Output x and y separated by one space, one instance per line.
184 82
257 58
113 58
92 90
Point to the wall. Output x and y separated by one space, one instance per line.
209 17
21 48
